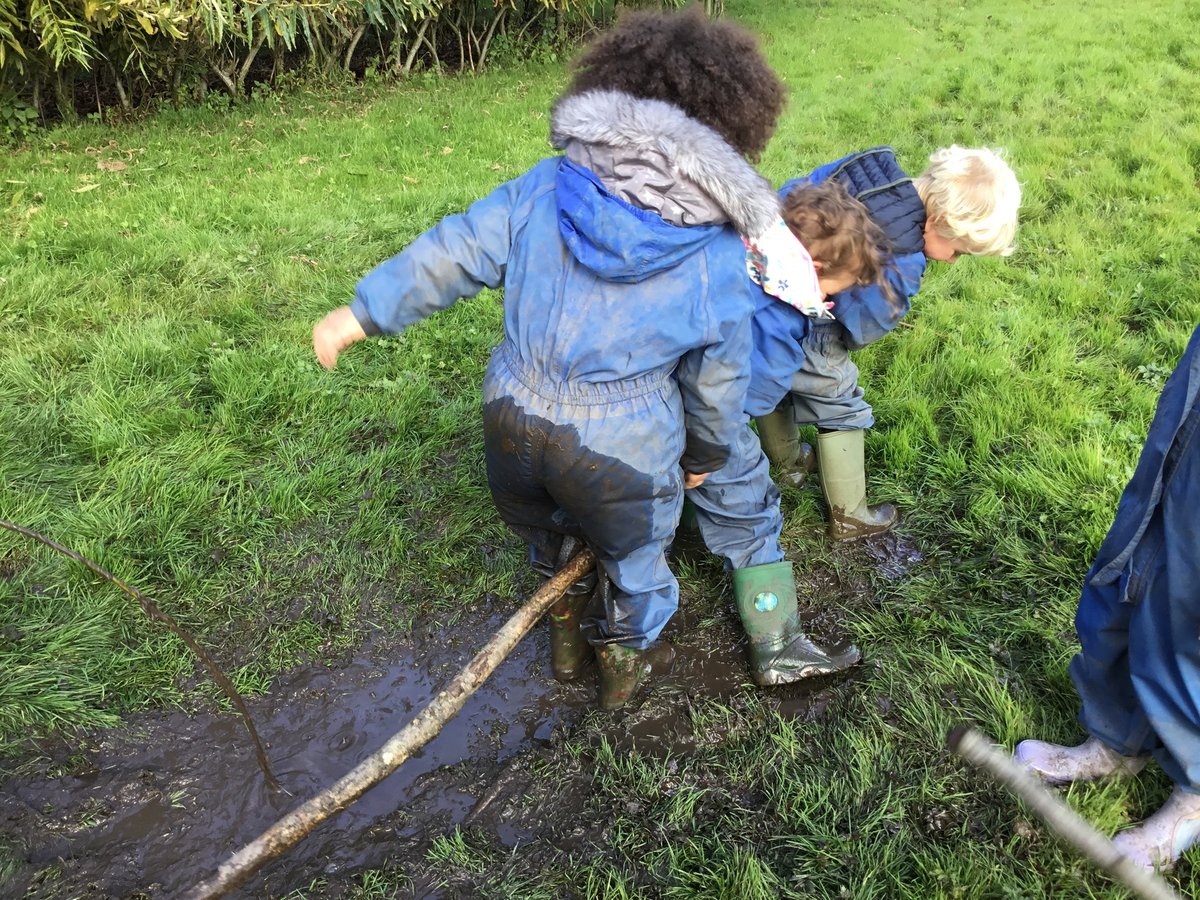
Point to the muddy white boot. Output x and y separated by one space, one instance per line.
1163 838
1091 760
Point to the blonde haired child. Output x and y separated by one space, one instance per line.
971 198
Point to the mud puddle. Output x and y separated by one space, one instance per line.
894 554
155 806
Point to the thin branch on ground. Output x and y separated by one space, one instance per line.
156 614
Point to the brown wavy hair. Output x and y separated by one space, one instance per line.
837 231
713 71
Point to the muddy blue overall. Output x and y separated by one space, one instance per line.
1138 670
737 507
626 347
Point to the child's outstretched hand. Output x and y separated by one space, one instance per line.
335 333
691 480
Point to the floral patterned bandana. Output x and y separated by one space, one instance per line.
781 266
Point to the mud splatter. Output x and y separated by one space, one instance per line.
894 555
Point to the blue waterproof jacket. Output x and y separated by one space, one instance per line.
597 290
864 314
1172 433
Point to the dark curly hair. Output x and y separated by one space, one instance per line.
838 232
713 71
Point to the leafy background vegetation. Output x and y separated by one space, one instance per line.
107 56
161 412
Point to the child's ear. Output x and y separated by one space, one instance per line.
817 267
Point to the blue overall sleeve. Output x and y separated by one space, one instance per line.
866 314
778 334
713 381
457 258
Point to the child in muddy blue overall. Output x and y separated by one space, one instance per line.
964 203
737 507
623 367
1138 666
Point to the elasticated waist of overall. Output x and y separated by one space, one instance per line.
817 324
579 393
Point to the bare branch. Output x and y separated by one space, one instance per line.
156 614
297 824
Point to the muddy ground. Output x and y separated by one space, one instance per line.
147 809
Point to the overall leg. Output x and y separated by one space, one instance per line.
1164 655
615 473
514 446
826 393
737 510
1164 650
1120 738
628 515
737 507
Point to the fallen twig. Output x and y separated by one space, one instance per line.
157 614
297 824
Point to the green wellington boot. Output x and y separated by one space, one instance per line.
780 439
623 670
569 649
780 651
844 482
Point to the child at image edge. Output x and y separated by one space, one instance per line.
1138 666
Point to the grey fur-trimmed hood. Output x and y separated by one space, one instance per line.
693 152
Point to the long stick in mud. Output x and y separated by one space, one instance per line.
1067 824
293 827
156 614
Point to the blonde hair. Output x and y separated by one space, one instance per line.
971 197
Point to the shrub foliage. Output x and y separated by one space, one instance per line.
66 55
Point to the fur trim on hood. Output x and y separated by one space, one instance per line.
694 152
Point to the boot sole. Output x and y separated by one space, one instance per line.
776 677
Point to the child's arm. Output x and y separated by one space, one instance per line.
456 258
867 314
713 380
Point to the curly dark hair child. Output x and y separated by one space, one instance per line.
837 231
713 71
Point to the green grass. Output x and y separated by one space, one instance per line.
160 411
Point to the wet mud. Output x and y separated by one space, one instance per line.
153 807
894 554
150 808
